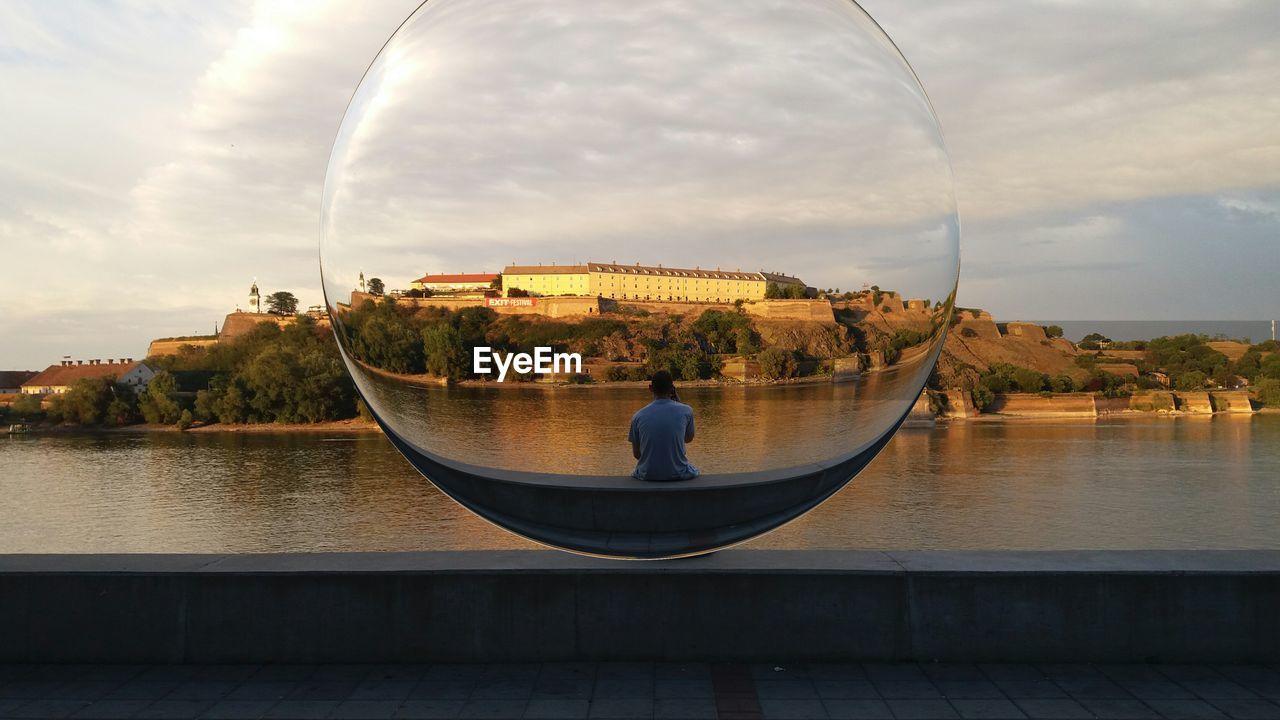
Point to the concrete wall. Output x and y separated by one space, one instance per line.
748 605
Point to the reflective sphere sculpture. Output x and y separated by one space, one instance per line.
532 205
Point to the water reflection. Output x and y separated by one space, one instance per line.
1106 484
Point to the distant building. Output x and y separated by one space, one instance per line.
11 380
255 298
643 282
57 379
458 284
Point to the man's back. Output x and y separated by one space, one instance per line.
660 429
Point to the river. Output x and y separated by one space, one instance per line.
1122 483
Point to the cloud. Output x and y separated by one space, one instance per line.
162 155
1050 104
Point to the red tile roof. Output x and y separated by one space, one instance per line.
463 278
64 375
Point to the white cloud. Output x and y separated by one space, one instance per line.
159 155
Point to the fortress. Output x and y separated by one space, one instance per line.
642 282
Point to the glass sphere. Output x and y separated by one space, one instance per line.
532 206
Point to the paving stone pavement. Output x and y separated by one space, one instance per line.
655 691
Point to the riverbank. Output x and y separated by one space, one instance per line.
354 425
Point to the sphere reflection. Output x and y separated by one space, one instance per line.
534 205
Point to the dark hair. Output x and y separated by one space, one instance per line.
662 382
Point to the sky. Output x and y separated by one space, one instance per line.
1112 161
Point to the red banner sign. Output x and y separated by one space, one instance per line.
510 302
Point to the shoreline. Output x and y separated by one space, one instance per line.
354 425
357 425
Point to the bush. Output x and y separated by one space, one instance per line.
983 398
727 332
1269 392
776 364
1063 383
1053 331
968 332
27 407
683 363
623 373
185 420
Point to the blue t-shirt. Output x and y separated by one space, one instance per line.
660 428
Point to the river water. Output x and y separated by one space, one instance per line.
1122 483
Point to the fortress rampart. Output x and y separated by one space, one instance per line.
160 348
808 310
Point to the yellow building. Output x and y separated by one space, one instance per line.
548 280
643 282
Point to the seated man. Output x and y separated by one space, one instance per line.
659 431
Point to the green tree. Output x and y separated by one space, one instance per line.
772 291
282 302
27 407
388 341
86 402
517 292
1053 331
376 286
776 363
1028 380
1270 366
157 403
1269 392
185 420
1094 341
443 350
1191 380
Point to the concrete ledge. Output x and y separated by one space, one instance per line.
1206 606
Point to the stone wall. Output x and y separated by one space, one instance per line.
1195 402
1030 331
546 306
1154 402
161 348
1231 401
1060 405
238 324
811 310
741 369
959 404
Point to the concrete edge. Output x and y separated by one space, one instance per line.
880 562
